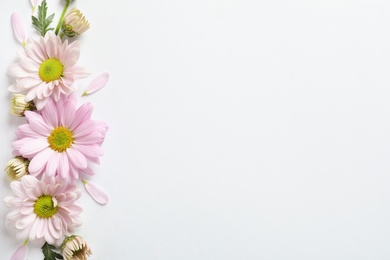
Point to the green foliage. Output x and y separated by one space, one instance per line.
42 22
49 253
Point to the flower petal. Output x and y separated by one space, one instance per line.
20 253
96 193
49 114
52 164
38 163
77 158
18 28
31 148
97 83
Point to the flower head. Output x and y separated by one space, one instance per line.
16 168
61 140
74 23
43 210
75 248
47 68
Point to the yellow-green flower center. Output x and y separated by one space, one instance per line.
50 70
60 139
44 207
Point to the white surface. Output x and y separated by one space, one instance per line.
239 129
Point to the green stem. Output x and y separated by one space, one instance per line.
62 16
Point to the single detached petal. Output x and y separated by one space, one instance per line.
20 253
97 84
19 28
96 193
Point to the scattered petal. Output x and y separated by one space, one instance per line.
19 28
97 84
20 253
96 193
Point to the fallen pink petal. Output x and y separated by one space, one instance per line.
96 193
97 83
20 253
19 28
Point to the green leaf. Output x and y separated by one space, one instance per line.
49 254
42 22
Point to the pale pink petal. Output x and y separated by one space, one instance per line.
18 28
77 158
40 103
89 150
25 131
49 114
63 165
68 113
12 88
42 228
25 222
32 93
15 70
73 172
96 193
20 253
83 114
53 231
31 148
88 171
37 123
97 84
38 163
84 129
29 65
92 138
80 72
52 164
29 181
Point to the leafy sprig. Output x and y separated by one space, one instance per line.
48 252
42 22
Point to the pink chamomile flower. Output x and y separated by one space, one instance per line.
43 210
61 140
47 68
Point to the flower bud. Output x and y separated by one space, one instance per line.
74 23
16 168
75 247
19 105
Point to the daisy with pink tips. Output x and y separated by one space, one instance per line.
43 210
47 68
61 140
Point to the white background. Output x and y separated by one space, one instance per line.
239 129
